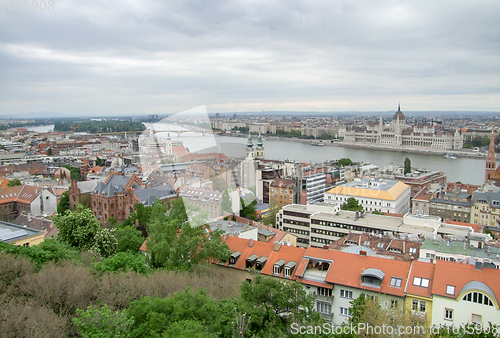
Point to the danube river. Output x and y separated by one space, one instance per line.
463 169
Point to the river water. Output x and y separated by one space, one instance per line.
463 169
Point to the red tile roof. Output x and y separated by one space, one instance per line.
347 268
264 249
458 275
422 270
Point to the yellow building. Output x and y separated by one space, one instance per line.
19 235
485 209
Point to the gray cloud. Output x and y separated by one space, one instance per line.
124 57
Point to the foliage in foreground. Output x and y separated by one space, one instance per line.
81 230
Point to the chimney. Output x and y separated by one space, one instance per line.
277 246
362 253
326 247
250 243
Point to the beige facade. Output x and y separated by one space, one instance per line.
485 209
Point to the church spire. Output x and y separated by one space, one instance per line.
249 141
490 158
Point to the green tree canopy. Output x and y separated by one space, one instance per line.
345 161
63 204
101 323
129 239
247 211
352 204
274 304
82 230
407 169
14 182
176 245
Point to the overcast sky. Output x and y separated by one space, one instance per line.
154 57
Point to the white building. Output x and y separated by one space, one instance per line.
373 194
399 135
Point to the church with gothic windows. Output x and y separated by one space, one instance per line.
399 134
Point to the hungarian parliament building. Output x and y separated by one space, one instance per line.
400 135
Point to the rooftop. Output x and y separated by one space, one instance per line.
10 232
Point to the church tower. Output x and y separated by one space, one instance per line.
259 149
250 150
490 158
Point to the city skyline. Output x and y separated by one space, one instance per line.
118 59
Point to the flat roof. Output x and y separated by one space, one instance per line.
12 232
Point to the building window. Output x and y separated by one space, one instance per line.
419 305
344 311
396 282
324 292
323 308
346 294
450 290
423 282
476 319
448 314
478 298
394 303
413 250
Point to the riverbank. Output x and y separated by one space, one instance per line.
332 143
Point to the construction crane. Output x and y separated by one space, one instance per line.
75 126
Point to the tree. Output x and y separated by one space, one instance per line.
270 219
407 166
50 250
352 204
100 323
50 152
226 202
176 245
248 211
14 182
98 161
82 230
371 312
274 304
75 172
122 261
63 203
129 239
344 162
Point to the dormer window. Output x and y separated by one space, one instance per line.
289 268
234 257
450 290
372 277
251 261
278 266
259 265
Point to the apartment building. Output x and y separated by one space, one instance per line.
443 293
320 225
282 192
485 209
